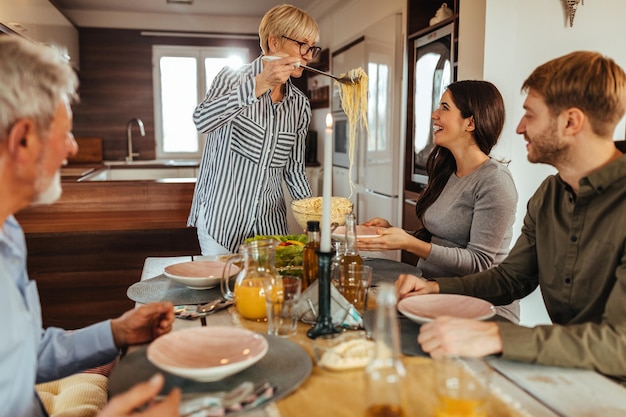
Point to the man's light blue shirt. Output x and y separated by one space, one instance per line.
29 354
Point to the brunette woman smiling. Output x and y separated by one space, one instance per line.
468 208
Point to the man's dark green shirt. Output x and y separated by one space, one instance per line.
574 248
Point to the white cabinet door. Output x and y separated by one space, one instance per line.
341 185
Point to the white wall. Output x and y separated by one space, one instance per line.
349 19
166 21
519 36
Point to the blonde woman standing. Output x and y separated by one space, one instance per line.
256 123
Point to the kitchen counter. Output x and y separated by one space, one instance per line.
176 170
112 205
77 171
74 172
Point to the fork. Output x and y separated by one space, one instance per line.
193 403
345 79
213 306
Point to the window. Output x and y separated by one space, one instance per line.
182 75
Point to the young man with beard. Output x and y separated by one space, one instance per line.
573 240
35 139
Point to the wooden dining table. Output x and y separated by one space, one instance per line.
516 389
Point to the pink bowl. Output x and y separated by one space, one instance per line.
199 275
207 353
361 232
424 308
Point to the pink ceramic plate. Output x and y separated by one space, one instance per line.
362 232
198 275
207 353
424 308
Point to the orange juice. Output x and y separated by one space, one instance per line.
459 407
250 299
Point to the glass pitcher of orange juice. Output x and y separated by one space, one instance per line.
257 257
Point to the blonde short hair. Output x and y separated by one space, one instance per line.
586 80
287 20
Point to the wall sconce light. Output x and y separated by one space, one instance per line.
570 9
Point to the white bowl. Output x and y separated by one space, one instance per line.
311 209
343 352
427 307
198 275
207 353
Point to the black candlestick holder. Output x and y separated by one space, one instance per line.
324 324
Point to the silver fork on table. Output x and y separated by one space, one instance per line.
211 307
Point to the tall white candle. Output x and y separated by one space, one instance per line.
327 187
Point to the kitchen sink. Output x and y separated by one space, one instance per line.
162 170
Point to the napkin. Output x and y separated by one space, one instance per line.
342 311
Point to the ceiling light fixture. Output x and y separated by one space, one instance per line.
189 2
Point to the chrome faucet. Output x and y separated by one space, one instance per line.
129 137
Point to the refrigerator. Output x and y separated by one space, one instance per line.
377 170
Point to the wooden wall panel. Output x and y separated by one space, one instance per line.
112 205
116 85
83 277
88 248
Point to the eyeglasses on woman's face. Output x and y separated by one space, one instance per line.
305 48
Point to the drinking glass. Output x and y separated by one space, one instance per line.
282 294
462 386
354 283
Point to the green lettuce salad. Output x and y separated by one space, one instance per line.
289 250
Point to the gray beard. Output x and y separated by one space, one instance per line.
51 193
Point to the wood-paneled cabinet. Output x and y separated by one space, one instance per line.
89 247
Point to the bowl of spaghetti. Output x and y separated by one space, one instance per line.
311 209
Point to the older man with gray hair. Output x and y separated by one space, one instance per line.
38 86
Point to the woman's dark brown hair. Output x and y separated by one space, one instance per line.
483 101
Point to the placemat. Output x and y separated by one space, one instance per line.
286 366
161 288
408 337
386 270
408 333
409 330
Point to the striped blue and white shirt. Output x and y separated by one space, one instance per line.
252 146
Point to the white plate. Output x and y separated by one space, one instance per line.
362 232
207 353
425 308
198 275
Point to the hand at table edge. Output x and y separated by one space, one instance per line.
142 324
464 337
408 285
